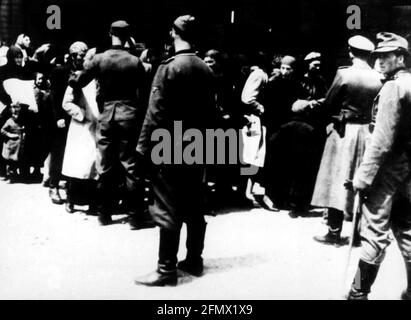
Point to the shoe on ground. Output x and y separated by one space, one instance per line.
69 207
92 210
296 213
195 268
406 295
267 204
157 279
356 295
105 219
141 223
55 196
331 239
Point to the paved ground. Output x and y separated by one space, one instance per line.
46 253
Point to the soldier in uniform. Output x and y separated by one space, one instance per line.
384 176
182 90
120 76
348 103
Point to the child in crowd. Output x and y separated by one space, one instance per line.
13 132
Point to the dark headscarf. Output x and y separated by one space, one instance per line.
13 53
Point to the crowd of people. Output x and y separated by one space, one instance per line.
86 118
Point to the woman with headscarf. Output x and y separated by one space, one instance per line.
79 164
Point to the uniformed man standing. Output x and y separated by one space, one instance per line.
121 77
384 176
348 103
181 91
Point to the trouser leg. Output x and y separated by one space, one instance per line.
106 166
57 156
128 138
195 239
401 226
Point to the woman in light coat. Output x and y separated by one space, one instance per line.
81 153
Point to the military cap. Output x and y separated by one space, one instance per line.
389 42
120 28
312 56
185 24
361 43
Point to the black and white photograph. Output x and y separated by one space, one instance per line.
179 150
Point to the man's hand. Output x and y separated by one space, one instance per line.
260 109
359 185
61 123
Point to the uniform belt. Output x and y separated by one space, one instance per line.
355 118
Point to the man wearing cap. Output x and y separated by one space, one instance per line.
120 76
384 176
182 90
347 104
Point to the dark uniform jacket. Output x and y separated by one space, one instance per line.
390 145
182 91
352 93
120 76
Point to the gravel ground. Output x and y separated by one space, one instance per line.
46 253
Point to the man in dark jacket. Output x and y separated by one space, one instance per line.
384 176
181 91
120 76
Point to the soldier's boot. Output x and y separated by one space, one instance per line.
193 262
406 295
166 272
333 237
364 279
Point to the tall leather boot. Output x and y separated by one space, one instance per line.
406 295
166 273
364 279
193 262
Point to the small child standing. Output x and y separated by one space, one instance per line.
13 132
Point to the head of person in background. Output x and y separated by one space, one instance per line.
360 47
77 52
288 67
214 60
184 29
313 61
41 81
23 41
120 33
391 53
15 56
16 111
